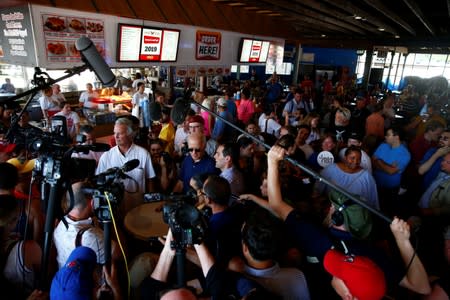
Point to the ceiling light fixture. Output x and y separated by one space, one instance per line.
251 8
323 35
236 4
275 15
263 11
381 29
357 17
397 36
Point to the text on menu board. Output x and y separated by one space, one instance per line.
254 51
208 45
138 43
16 40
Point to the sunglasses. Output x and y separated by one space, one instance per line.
196 150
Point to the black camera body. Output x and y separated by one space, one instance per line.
106 188
185 149
187 223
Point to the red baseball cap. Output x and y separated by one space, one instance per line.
364 279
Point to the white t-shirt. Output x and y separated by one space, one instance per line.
273 127
72 119
86 97
135 187
64 239
47 103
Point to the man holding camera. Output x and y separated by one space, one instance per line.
77 229
140 179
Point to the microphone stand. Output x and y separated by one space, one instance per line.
315 175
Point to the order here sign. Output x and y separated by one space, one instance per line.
208 45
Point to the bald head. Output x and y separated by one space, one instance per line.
179 294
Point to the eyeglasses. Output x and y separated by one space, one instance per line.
196 150
443 137
194 126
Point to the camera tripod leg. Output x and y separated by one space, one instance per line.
180 255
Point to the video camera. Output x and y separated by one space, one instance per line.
187 223
109 186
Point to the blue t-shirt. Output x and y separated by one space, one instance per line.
400 156
433 172
190 168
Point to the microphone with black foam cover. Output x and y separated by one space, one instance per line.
179 110
128 166
95 61
155 111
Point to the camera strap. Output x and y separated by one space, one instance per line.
80 235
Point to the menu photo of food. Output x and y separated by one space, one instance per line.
56 48
54 23
219 70
181 71
94 26
201 71
73 49
76 25
101 49
210 71
192 72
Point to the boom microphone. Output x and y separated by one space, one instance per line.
96 147
179 110
155 111
95 62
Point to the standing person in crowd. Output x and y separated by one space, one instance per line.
431 162
57 95
72 119
8 87
140 103
389 162
375 122
313 121
182 133
167 133
124 151
165 170
246 107
87 96
227 160
274 89
291 109
356 140
359 116
78 228
223 132
197 162
207 117
49 105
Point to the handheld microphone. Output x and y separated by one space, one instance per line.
128 166
95 62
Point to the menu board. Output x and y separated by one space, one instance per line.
61 33
16 41
139 43
254 51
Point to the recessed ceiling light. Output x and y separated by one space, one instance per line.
263 11
357 17
251 8
381 29
236 4
323 35
397 36
275 15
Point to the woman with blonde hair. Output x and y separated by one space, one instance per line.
312 120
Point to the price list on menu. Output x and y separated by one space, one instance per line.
130 39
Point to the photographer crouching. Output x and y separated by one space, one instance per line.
164 166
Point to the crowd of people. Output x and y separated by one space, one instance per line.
275 229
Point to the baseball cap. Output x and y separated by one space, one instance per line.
7 148
23 166
74 281
196 119
364 279
357 219
222 102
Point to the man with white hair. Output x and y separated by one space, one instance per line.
124 151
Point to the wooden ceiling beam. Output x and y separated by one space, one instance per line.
148 10
376 4
356 11
287 7
419 14
329 10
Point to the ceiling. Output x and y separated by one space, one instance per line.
418 24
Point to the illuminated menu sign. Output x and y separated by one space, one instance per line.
16 38
254 51
137 43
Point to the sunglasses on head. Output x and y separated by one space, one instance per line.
197 150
